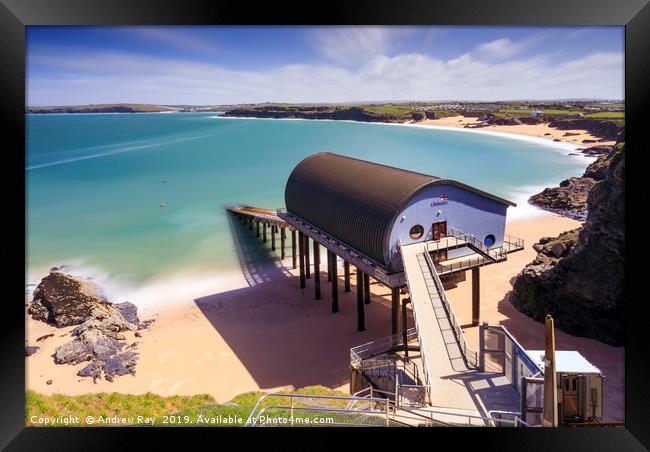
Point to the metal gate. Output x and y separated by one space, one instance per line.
532 394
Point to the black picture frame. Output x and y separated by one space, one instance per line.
15 15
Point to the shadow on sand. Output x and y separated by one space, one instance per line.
278 331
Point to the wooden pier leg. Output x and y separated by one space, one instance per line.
329 265
250 223
293 249
394 310
283 237
257 222
361 315
273 238
405 301
366 288
264 233
307 267
476 295
316 271
335 286
346 275
301 257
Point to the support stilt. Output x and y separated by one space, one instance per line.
476 295
293 249
335 286
366 288
394 310
346 275
307 267
301 258
283 238
316 271
361 315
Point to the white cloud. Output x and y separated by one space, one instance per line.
174 37
502 49
123 77
354 45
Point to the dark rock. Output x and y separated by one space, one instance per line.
74 352
583 290
121 364
64 299
569 199
597 170
29 351
129 312
557 139
596 150
589 141
42 338
48 382
570 134
137 334
93 370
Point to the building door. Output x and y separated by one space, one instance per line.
571 397
439 230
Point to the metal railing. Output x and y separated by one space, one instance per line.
497 254
471 356
379 346
255 415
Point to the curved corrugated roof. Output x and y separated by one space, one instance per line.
356 201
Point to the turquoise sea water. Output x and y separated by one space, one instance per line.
95 182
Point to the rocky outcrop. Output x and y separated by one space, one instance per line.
64 299
99 338
582 285
569 199
597 127
348 113
596 150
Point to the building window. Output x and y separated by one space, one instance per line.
416 232
489 240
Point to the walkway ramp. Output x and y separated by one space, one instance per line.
445 356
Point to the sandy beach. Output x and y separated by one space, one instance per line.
268 334
534 130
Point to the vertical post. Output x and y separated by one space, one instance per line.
307 268
264 233
257 223
481 346
476 295
394 310
405 327
301 257
250 223
549 418
335 285
316 270
361 315
293 249
346 276
329 265
366 288
273 237
283 237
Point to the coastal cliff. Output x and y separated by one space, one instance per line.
579 277
349 113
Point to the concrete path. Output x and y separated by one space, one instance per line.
453 384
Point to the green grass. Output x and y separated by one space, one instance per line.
607 115
197 410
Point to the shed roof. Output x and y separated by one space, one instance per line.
357 201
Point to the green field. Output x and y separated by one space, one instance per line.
607 115
178 411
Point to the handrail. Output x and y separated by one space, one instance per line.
458 332
303 396
427 378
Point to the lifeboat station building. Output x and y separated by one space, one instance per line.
365 213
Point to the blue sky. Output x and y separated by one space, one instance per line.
221 65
